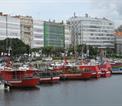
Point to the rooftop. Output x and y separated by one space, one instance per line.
119 34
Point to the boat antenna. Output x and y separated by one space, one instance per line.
6 34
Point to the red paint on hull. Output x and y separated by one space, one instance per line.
93 71
50 80
105 74
76 76
19 78
24 83
106 70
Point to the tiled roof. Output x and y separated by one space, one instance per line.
119 34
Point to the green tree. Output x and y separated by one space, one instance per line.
17 46
93 51
47 50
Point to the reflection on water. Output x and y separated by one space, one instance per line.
101 92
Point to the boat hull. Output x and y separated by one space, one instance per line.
106 70
49 80
117 70
29 82
106 74
76 76
96 75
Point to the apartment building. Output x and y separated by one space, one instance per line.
67 36
26 25
54 34
9 26
118 43
87 30
38 34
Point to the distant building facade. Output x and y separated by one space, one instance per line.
67 36
54 34
9 26
97 32
26 23
38 34
118 36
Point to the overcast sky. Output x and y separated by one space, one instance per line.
63 9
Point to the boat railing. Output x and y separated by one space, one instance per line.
87 62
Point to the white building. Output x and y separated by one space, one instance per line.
97 32
26 29
67 36
9 27
38 34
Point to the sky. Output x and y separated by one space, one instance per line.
63 9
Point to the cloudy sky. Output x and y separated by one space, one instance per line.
63 9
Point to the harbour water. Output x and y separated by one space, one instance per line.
96 92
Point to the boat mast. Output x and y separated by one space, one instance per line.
8 41
6 34
75 28
81 29
74 24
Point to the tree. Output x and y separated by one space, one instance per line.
70 50
2 47
47 50
82 49
55 52
35 49
17 46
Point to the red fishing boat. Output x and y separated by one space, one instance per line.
92 71
78 71
106 69
49 77
70 72
48 74
16 76
81 72
19 78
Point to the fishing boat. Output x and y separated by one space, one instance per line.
116 67
71 72
49 77
106 69
81 71
48 74
18 76
78 70
90 71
